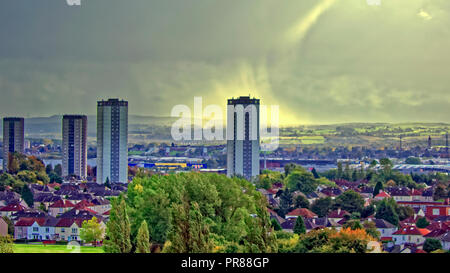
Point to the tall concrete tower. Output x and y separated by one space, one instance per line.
243 140
74 145
112 141
446 144
13 137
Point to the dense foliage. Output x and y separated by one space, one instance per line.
325 241
193 212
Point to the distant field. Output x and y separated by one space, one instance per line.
39 248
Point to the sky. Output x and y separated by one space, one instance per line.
320 61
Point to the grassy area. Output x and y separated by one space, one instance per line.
40 248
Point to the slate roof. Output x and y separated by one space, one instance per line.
9 197
62 204
381 223
46 197
338 214
288 224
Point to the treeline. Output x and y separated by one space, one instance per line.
23 170
190 213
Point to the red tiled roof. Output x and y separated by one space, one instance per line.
106 212
26 222
383 194
13 207
83 204
420 251
386 239
62 204
67 222
53 185
302 212
412 230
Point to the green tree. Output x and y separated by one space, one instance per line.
301 201
91 231
107 184
49 169
322 206
353 224
276 226
27 195
301 180
378 188
339 170
190 232
58 170
413 161
371 229
314 172
13 163
143 239
386 210
432 245
422 222
440 192
6 244
118 228
299 226
367 211
403 212
350 201
286 202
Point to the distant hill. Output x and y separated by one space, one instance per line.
52 126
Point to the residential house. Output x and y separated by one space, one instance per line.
28 213
9 197
313 196
338 214
3 227
325 222
445 241
434 211
417 195
45 198
288 225
400 193
410 235
68 229
385 228
76 198
382 195
60 207
273 215
35 228
427 195
10 209
305 213
106 216
419 204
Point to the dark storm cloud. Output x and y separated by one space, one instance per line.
320 60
